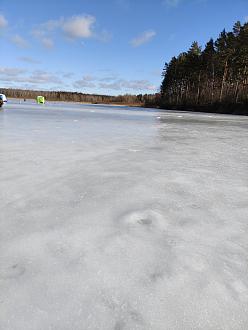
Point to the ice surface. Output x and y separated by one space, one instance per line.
118 218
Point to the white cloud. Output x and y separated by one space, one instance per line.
10 72
47 42
89 78
3 21
83 84
52 24
16 75
38 33
135 85
19 41
111 86
86 81
68 75
79 26
138 85
42 35
43 77
143 38
109 78
28 59
75 27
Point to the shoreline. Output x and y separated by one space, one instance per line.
138 105
240 109
225 109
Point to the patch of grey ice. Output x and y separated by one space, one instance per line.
148 219
11 271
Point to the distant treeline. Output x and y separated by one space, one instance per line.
138 100
212 79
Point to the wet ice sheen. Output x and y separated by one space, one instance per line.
118 218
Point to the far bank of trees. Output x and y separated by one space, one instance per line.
215 77
128 99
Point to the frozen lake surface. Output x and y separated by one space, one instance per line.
120 218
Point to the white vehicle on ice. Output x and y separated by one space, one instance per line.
3 99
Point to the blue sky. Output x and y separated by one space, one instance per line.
103 46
